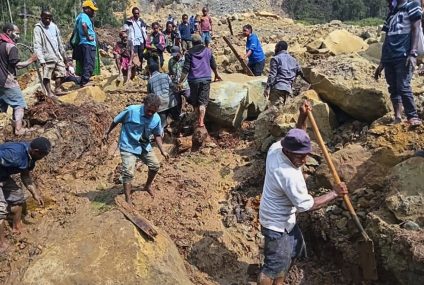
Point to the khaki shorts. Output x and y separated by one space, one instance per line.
129 160
53 70
10 194
278 97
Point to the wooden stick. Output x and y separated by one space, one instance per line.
230 26
242 62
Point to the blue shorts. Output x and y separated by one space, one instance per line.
280 249
12 97
206 37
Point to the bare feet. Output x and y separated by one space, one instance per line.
4 246
17 229
148 189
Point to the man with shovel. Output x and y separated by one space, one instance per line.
285 194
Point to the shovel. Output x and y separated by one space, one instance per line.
366 247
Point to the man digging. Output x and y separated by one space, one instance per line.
139 123
284 194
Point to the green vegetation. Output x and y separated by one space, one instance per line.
321 11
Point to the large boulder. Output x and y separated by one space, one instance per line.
106 249
405 186
343 42
83 95
346 81
236 98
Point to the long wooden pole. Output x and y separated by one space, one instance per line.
243 64
10 11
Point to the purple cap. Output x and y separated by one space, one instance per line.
297 141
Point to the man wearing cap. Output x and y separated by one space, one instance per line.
199 62
88 43
284 194
19 158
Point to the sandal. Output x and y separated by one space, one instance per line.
415 122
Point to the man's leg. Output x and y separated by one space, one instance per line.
14 98
141 56
152 162
88 62
203 100
15 197
391 79
3 214
127 173
403 83
59 73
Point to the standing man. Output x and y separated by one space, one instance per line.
198 63
160 84
18 158
206 27
185 32
137 33
123 53
88 40
283 71
139 123
50 52
254 51
284 194
156 42
399 57
10 93
175 68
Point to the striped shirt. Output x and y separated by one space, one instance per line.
160 84
398 28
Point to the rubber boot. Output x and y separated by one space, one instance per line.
397 108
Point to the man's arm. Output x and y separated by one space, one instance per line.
303 115
38 45
29 61
158 140
214 68
85 32
106 135
29 184
186 67
338 191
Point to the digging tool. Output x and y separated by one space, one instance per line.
242 62
131 214
366 247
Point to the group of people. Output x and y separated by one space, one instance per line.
190 74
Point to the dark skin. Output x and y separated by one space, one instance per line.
299 160
246 33
90 13
149 111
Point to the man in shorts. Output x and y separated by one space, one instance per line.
139 123
50 52
284 194
199 62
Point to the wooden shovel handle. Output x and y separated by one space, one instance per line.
335 174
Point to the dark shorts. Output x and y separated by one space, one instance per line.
12 97
280 249
257 67
10 194
199 93
173 112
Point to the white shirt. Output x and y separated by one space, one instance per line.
284 192
137 32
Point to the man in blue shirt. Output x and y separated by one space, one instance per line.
139 123
18 158
254 51
399 56
185 32
88 43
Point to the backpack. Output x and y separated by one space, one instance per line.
75 38
191 23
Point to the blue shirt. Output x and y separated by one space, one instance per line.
398 28
14 158
254 45
185 32
136 126
83 18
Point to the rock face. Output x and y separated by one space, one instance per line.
405 186
343 42
83 95
344 82
236 98
106 249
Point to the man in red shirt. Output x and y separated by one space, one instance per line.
206 27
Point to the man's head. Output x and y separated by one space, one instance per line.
136 13
153 66
39 148
169 27
46 17
281 46
123 36
297 145
151 105
196 39
155 27
205 11
247 30
176 52
185 18
12 31
89 7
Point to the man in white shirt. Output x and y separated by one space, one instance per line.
284 194
50 52
137 33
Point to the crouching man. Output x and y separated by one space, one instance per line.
285 194
139 123
17 158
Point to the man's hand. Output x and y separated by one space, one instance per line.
39 199
378 71
165 155
305 108
266 93
341 189
33 58
217 78
105 138
411 61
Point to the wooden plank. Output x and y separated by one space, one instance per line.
230 26
131 214
242 62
